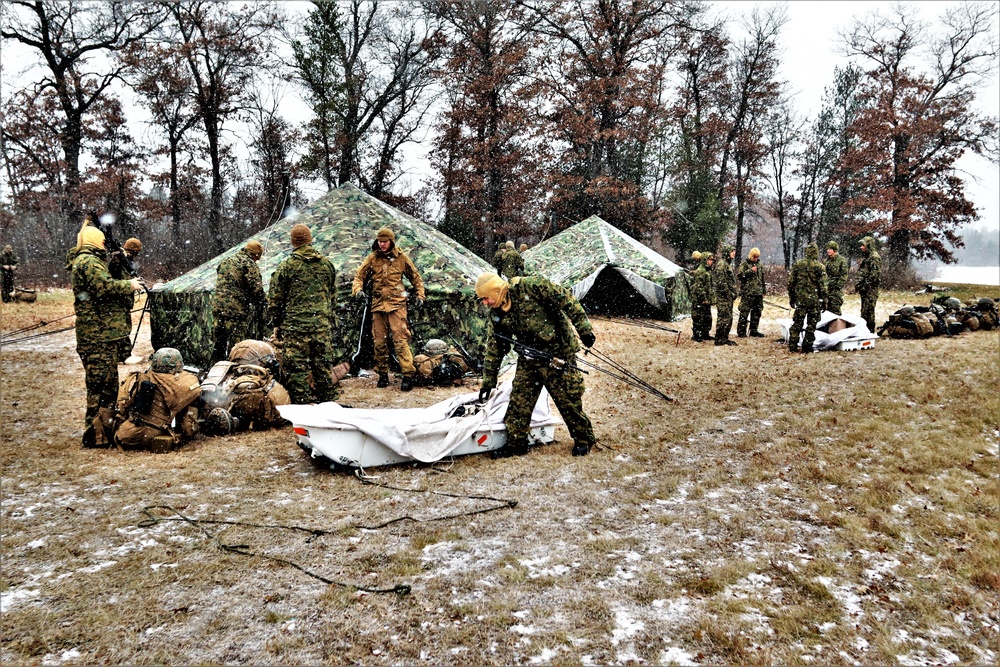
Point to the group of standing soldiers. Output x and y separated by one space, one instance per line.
812 288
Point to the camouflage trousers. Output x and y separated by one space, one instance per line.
701 321
868 300
8 285
227 333
834 302
750 309
809 314
566 388
723 320
100 369
382 324
305 353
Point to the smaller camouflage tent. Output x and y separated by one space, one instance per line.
610 272
343 224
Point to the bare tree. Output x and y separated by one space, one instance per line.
71 37
223 47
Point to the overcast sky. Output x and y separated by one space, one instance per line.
812 50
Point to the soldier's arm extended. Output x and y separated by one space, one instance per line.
562 299
100 284
415 279
276 298
361 275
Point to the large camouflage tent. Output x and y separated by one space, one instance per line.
343 224
640 282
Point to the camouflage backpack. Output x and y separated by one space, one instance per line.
440 364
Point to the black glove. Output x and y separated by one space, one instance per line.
588 339
484 393
360 296
418 304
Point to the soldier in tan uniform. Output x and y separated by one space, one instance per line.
386 266
158 404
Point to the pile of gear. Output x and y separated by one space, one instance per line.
945 315
440 364
168 404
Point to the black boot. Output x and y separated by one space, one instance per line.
383 380
756 334
510 449
406 384
581 449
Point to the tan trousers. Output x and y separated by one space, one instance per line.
395 322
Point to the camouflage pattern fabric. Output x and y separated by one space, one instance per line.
543 316
566 388
806 293
302 306
343 223
100 371
867 281
702 297
836 277
122 305
509 263
97 298
237 302
753 287
8 262
725 294
576 256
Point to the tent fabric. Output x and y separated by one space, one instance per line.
425 434
343 224
857 329
641 282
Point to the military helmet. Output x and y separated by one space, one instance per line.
953 303
434 347
166 360
696 255
220 422
906 311
986 303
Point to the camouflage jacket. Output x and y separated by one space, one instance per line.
836 273
702 292
97 299
724 281
116 267
511 264
807 283
303 293
387 271
8 260
542 315
238 287
869 273
751 282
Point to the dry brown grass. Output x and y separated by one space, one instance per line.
839 508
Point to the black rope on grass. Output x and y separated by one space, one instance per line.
244 549
40 324
34 336
620 373
504 503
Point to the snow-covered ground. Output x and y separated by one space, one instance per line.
971 275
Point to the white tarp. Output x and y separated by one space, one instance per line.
425 434
858 330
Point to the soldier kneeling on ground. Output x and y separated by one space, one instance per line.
988 315
244 392
911 322
159 405
440 364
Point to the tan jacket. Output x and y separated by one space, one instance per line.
387 272
174 393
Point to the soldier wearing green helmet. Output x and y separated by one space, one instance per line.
159 405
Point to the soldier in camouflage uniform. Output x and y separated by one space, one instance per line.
867 280
752 291
238 297
807 295
101 336
836 277
301 304
542 315
702 296
725 295
9 262
118 268
386 266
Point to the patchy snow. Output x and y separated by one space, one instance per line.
10 598
676 656
65 656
